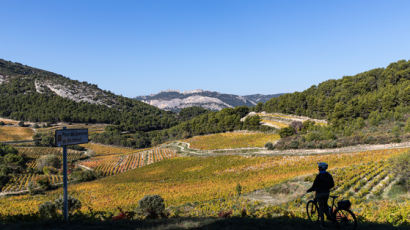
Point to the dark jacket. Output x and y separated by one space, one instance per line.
323 183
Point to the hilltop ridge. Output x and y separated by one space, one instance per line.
175 100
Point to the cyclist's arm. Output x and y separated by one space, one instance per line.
314 186
332 182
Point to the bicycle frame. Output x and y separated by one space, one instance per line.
333 208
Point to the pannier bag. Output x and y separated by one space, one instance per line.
344 204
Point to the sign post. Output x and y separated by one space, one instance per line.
65 178
63 138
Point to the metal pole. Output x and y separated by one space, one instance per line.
65 208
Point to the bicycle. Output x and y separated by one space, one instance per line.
340 214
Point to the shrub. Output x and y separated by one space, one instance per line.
238 189
2 123
269 146
294 144
313 136
3 180
401 167
286 132
296 125
77 147
21 124
84 175
48 209
49 170
33 188
152 206
48 161
407 127
225 214
73 204
44 183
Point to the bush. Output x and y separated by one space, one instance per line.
48 209
407 127
238 189
2 123
401 167
73 204
286 132
269 146
44 183
76 147
84 175
294 144
33 188
297 126
152 206
3 180
48 161
21 124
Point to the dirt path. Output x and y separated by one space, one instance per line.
280 193
184 148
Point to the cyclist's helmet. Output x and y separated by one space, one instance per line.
322 166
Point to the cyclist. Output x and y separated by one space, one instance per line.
322 185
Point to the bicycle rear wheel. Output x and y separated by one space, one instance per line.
312 211
346 219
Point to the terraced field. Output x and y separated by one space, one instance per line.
113 164
231 140
14 133
365 184
103 150
35 152
279 120
194 179
21 182
92 128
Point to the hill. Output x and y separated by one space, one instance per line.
372 107
377 90
31 94
175 100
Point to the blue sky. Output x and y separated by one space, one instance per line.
242 47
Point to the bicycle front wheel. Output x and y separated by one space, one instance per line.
312 211
346 219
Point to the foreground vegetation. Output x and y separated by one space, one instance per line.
190 179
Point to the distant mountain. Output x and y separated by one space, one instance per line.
32 94
174 100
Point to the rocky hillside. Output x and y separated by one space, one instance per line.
32 94
174 100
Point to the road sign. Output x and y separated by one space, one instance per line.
71 136
63 138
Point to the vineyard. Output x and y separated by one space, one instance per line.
364 184
34 153
231 140
92 128
13 133
279 120
113 164
102 150
21 182
198 179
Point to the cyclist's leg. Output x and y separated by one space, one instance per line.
326 206
321 203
